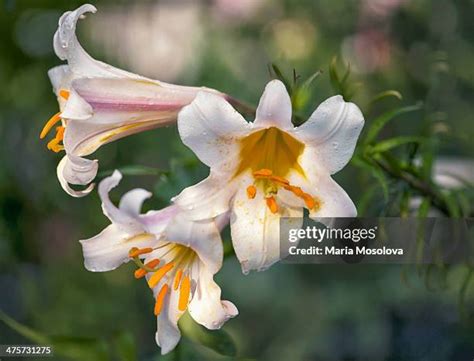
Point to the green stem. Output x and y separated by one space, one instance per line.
422 187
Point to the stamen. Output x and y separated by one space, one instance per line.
160 298
251 192
297 191
158 275
141 272
63 93
177 279
279 179
264 172
50 124
55 146
272 204
54 143
184 293
135 252
309 201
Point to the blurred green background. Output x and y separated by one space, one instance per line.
423 49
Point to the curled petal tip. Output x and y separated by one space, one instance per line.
65 36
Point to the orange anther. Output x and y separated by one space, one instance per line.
160 299
60 133
184 292
135 252
63 93
159 274
297 191
272 204
251 192
50 124
140 273
309 201
264 172
280 180
177 279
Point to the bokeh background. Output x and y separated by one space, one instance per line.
423 49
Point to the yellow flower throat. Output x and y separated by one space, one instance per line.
271 154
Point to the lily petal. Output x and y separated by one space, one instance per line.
167 334
211 127
109 249
330 134
209 198
58 76
274 108
206 307
127 222
255 231
68 166
202 236
335 201
101 103
67 47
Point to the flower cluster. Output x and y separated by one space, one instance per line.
259 171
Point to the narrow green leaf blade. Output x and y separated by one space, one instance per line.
392 143
382 120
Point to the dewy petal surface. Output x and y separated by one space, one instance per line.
211 127
271 169
206 307
255 231
274 108
109 249
331 134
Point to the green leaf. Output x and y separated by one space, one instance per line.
334 77
375 171
420 232
383 119
218 340
280 76
452 204
76 348
391 143
307 83
385 94
23 330
301 94
463 291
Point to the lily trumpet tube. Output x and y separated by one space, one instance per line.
267 169
176 256
99 103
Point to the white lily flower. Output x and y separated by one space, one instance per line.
99 104
267 169
178 257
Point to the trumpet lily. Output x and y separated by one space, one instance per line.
267 169
99 104
177 257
